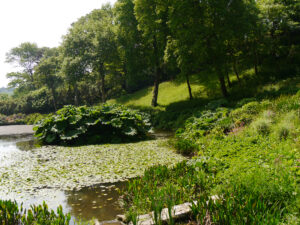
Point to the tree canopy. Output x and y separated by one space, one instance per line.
119 49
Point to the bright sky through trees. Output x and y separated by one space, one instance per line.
42 22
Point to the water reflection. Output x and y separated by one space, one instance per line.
99 202
9 152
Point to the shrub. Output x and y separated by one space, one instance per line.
184 146
216 123
262 126
89 125
246 113
37 101
34 118
12 119
283 131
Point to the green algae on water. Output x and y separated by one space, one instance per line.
72 168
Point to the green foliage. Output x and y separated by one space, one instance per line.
256 199
262 126
245 114
247 175
11 214
12 119
161 187
207 122
34 118
99 124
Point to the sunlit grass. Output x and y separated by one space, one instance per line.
169 92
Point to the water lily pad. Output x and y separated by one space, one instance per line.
72 168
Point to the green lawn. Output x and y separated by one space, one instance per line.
169 92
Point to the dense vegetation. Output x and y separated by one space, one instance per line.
90 125
230 72
246 156
119 49
20 118
12 214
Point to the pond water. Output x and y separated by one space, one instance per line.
97 202
85 180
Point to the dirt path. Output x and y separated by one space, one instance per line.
16 130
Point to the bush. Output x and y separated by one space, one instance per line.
34 118
12 119
283 131
217 123
184 146
262 126
246 113
89 125
38 101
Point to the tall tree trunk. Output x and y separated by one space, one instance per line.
102 77
222 82
158 73
75 95
255 62
228 78
156 86
189 86
236 71
103 94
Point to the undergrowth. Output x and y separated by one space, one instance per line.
247 155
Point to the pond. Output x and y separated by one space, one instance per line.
85 180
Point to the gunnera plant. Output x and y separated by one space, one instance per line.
92 125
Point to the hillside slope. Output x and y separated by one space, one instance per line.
169 92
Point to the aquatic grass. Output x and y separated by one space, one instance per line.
12 214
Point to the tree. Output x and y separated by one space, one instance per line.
203 34
152 21
281 42
133 48
90 48
47 72
26 56
186 27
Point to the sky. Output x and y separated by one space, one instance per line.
43 22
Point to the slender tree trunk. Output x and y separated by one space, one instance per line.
189 86
222 82
156 86
236 72
228 78
102 77
75 95
103 94
256 62
158 73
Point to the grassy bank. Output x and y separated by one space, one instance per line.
246 152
